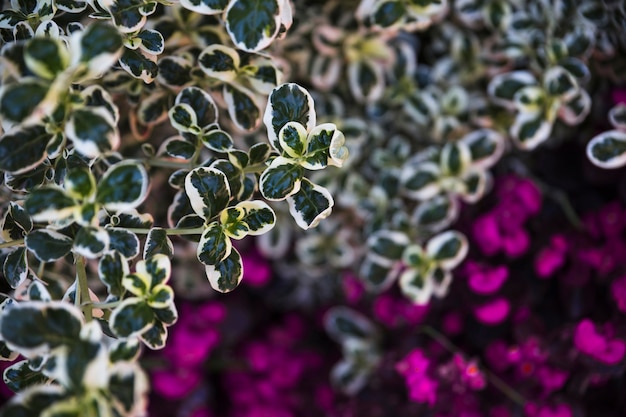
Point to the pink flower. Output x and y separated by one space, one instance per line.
487 234
258 271
496 355
493 312
535 410
552 379
470 373
484 279
599 347
618 292
423 390
618 96
452 323
353 288
550 259
176 383
414 367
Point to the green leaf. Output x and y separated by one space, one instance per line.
259 153
152 41
34 400
617 116
202 103
15 267
530 130
258 216
262 74
388 13
217 140
35 327
127 15
112 268
208 7
226 275
167 315
19 376
124 350
343 324
48 204
234 174
253 24
37 291
497 14
422 107
220 62
100 46
208 191
281 179
139 66
475 185
183 118
310 204
608 149
93 131
366 80
503 87
23 149
153 108
179 148
161 296
421 181
325 147
486 146
158 267
214 245
387 245
124 242
131 318
288 103
91 242
155 337
137 284
128 386
558 82
416 286
16 222
157 242
123 187
46 57
80 183
242 107
530 99
293 139
448 249
232 222
349 377
575 110
48 245
415 257
174 71
376 274
455 158
436 213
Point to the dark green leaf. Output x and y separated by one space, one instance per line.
19 376
139 66
310 204
48 245
49 204
123 186
202 104
156 336
15 267
157 242
281 179
92 131
242 107
225 276
124 242
252 24
288 102
23 148
208 191
131 318
214 245
46 57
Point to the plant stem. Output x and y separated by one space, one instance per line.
162 163
82 290
11 243
111 304
174 231
495 380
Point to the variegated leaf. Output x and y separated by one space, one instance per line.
207 7
226 275
608 149
503 87
208 191
416 286
288 103
123 186
48 245
220 62
202 104
214 245
281 179
131 318
253 24
448 249
23 149
530 130
93 131
310 204
91 242
46 57
48 204
243 107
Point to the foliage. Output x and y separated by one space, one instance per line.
138 135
